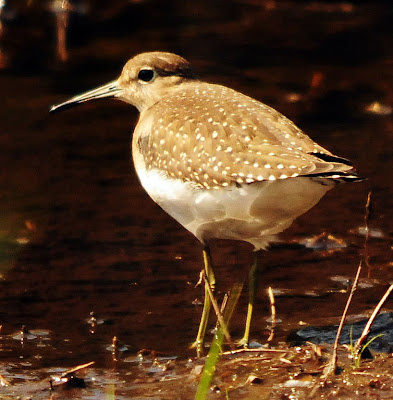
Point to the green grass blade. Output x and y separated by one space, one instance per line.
215 348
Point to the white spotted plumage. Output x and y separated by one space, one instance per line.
224 143
221 163
224 165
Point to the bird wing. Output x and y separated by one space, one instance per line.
214 136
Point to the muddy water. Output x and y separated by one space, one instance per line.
79 235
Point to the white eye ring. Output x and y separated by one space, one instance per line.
146 75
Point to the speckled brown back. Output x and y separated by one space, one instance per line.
214 136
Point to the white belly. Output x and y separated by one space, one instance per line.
253 212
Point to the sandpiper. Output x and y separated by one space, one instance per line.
222 164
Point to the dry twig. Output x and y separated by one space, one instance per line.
272 314
370 321
217 310
331 366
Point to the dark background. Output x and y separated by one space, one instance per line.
78 233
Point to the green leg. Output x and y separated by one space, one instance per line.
198 344
252 287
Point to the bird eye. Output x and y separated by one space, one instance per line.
146 75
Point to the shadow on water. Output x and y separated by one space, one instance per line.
79 235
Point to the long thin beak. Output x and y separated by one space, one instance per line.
111 89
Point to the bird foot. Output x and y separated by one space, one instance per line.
243 342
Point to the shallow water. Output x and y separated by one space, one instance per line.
79 235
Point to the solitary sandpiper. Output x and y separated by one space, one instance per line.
224 165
